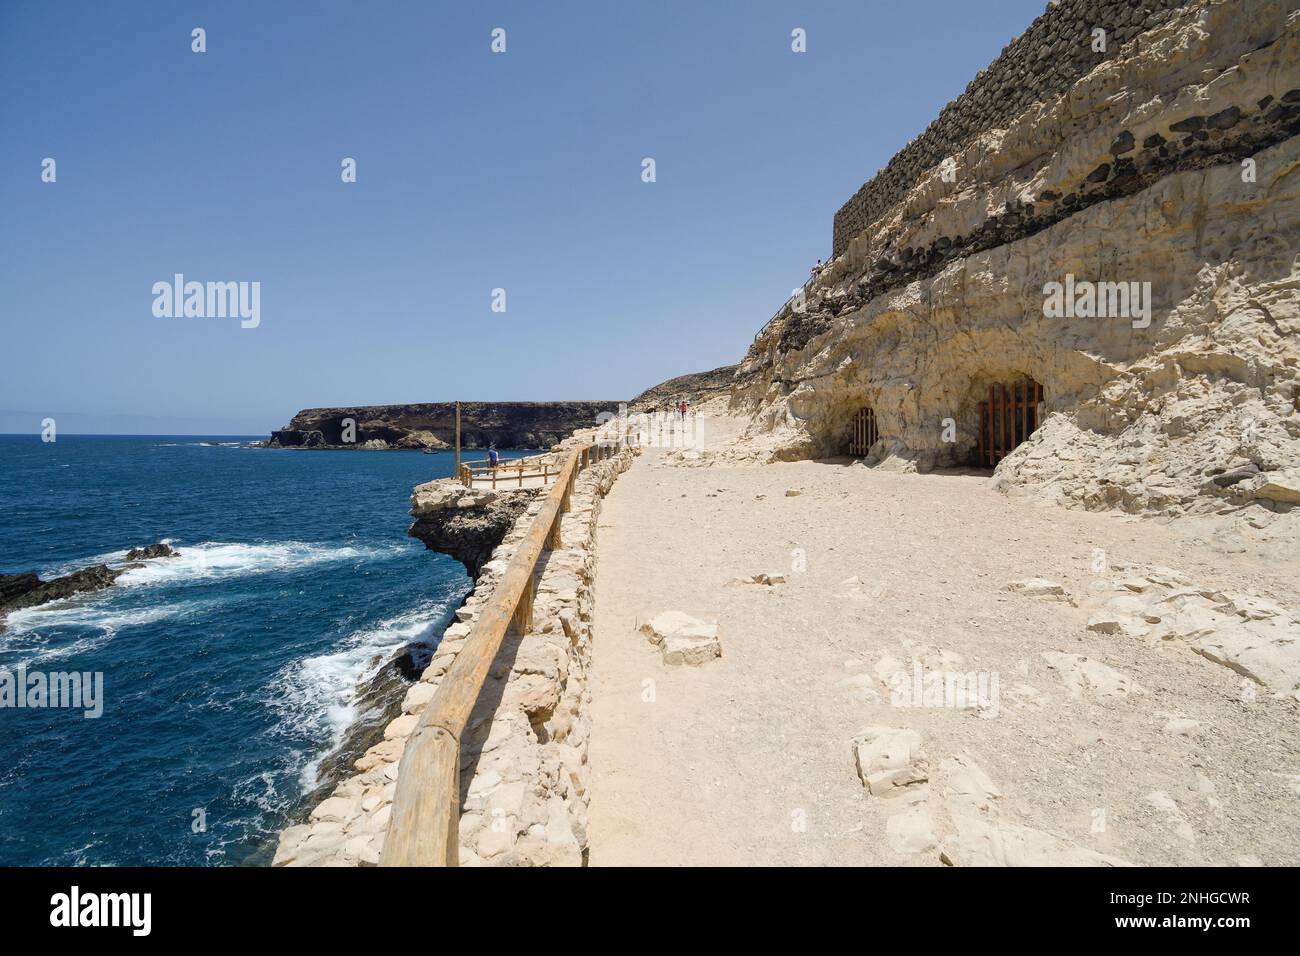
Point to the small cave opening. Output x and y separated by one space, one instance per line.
836 423
1008 412
865 432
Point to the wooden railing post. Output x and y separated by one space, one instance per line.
424 828
522 619
553 537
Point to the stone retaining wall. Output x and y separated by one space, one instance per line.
524 754
1041 63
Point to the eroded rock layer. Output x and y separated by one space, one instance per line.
1160 190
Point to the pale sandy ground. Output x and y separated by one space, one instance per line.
731 757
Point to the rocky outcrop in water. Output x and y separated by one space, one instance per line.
28 590
160 550
433 425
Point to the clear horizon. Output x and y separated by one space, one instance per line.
475 171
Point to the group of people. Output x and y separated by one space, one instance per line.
682 409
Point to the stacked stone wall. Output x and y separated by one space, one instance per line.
1042 63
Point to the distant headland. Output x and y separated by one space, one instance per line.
432 425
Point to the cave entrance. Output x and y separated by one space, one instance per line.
865 432
1007 417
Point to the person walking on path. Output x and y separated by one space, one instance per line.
494 458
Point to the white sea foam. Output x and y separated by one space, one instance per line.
98 615
67 567
215 560
200 444
317 696
26 629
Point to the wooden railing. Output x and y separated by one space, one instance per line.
508 469
425 823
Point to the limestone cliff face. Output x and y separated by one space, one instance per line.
433 425
466 524
1175 162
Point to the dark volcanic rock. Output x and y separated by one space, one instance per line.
28 590
378 702
14 586
433 425
159 550
1229 478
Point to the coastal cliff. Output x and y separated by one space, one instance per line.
433 425
1154 181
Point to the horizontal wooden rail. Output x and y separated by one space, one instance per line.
425 823
506 469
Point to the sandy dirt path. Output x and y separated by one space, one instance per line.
748 759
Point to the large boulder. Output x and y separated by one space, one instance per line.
889 759
683 639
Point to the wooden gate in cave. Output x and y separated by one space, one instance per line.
1007 417
865 432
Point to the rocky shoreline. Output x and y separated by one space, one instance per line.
528 736
28 589
451 520
467 533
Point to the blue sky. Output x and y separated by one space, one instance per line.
475 171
